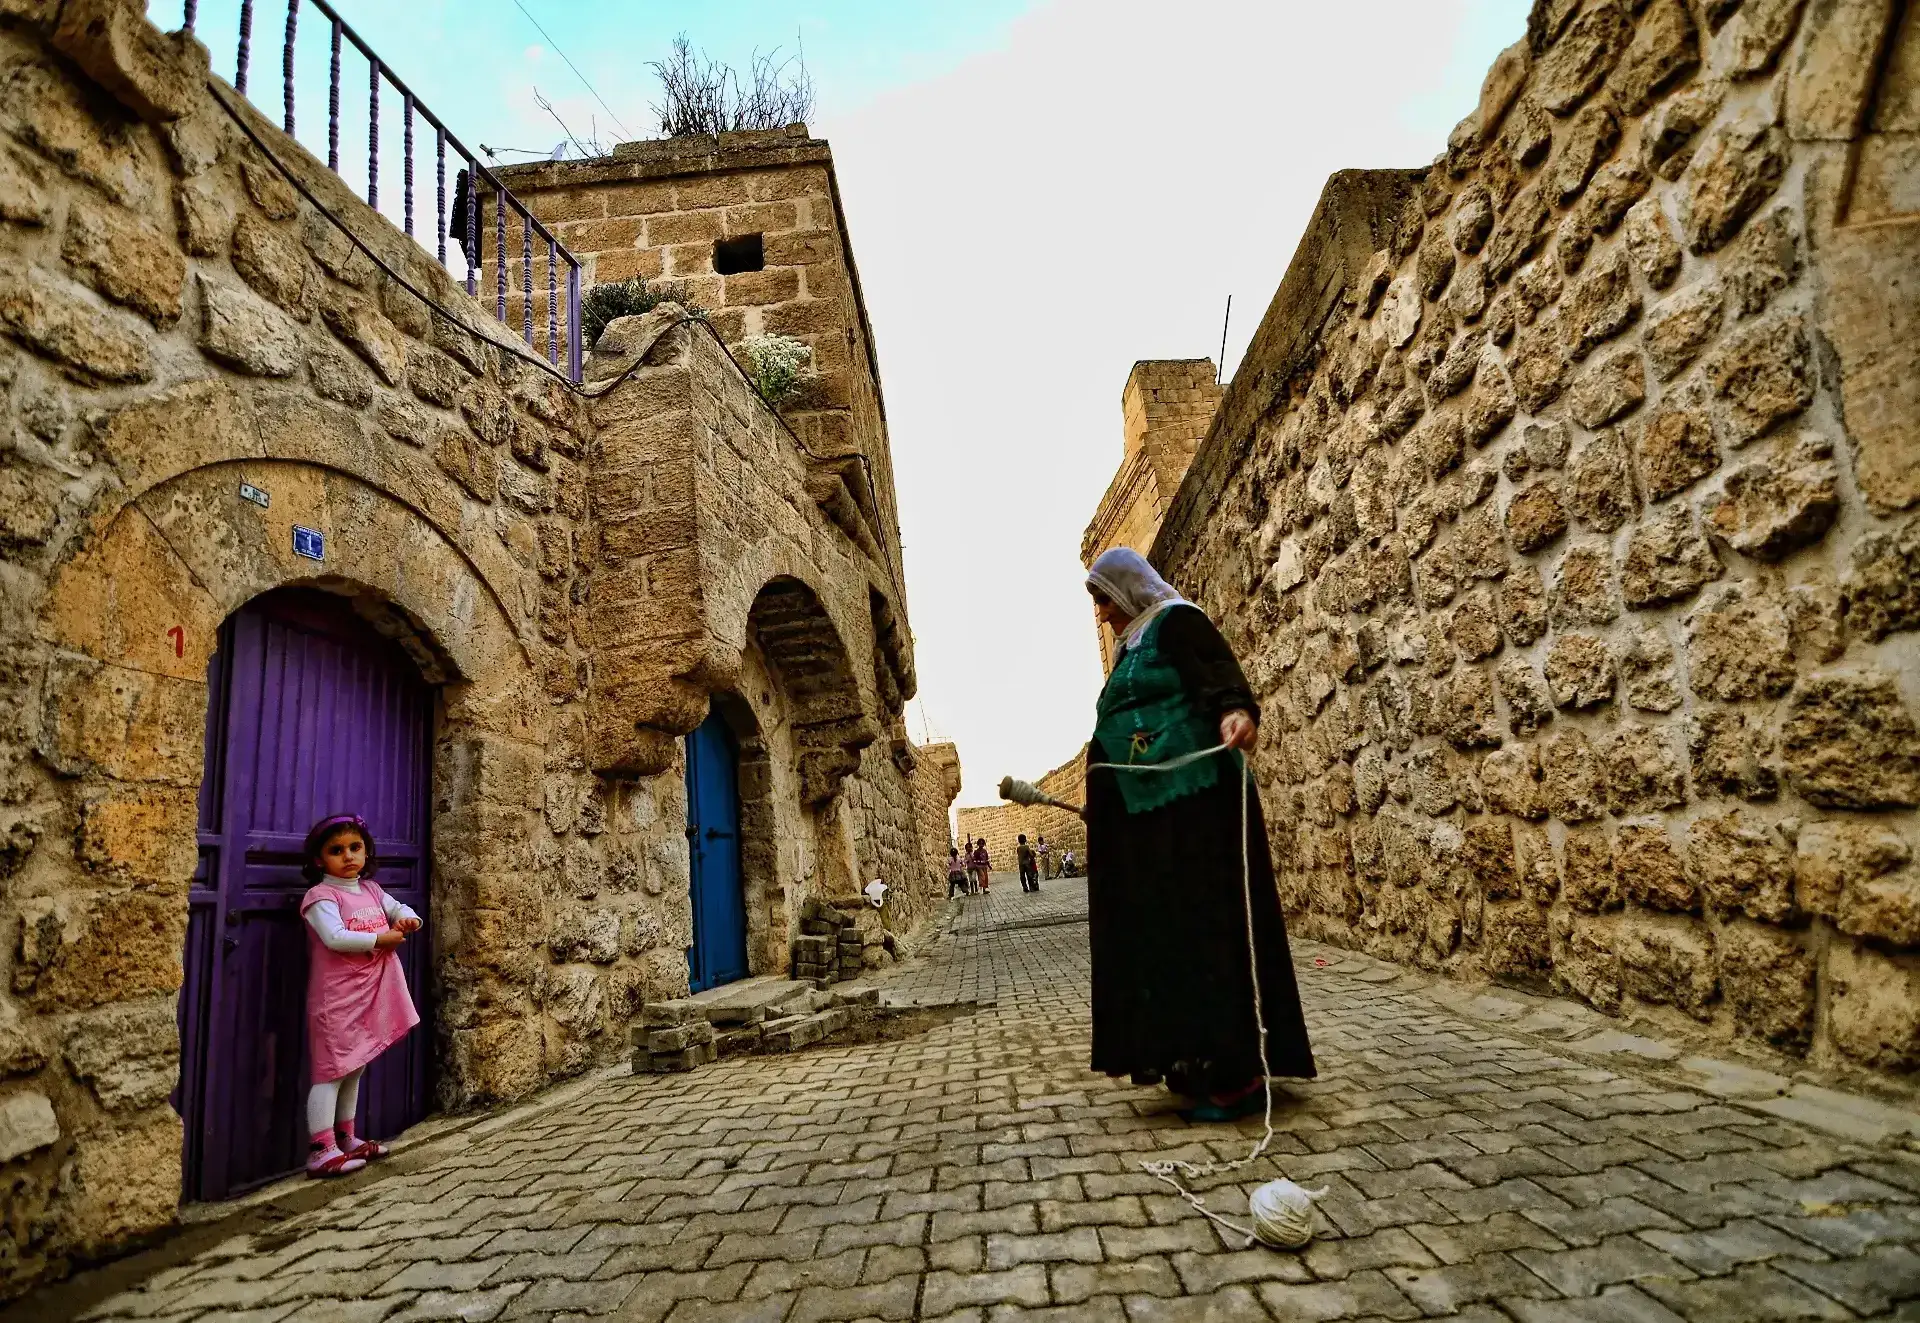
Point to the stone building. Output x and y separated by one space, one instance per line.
1165 408
750 227
1563 514
289 525
1001 825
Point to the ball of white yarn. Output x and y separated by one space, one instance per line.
1283 1213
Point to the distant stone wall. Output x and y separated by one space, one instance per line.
1002 824
936 782
1165 409
1560 514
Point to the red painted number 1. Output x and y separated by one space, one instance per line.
179 637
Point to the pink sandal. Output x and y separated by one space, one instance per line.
340 1164
366 1150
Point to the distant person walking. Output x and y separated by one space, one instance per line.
1041 848
1029 865
982 865
956 872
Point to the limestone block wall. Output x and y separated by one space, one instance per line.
741 559
936 784
580 574
1002 824
1560 514
1165 410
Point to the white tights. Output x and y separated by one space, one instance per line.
333 1102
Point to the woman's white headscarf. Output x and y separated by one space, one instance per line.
1123 576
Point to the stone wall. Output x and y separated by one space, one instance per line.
580 573
1165 409
1560 515
1002 824
936 783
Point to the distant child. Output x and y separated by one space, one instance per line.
982 865
357 1000
956 872
1029 865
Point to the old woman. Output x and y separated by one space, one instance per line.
1178 921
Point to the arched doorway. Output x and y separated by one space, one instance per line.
719 951
310 711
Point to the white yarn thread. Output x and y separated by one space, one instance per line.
1282 1211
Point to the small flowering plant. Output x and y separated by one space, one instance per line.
780 365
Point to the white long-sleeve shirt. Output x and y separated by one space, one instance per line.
324 918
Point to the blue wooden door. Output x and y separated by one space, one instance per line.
719 951
309 712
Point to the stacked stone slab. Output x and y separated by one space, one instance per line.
679 1035
831 946
1562 513
672 1036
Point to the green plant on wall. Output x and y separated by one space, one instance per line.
780 365
629 298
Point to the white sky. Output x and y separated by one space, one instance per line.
1039 194
1031 222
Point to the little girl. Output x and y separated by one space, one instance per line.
357 1000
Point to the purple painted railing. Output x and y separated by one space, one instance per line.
476 250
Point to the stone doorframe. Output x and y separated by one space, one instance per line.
758 826
128 626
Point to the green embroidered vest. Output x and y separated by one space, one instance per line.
1146 716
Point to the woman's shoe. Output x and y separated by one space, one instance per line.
1214 1113
1229 1106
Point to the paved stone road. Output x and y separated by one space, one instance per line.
1475 1170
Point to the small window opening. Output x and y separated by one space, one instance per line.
743 253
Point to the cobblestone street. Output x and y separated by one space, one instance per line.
1486 1156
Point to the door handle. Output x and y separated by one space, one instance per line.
229 944
714 833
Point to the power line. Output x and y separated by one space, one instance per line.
571 65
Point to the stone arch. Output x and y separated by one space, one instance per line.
211 424
815 671
127 628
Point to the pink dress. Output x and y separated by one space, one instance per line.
357 1002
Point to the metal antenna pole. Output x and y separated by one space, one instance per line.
1221 366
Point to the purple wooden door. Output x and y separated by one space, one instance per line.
310 712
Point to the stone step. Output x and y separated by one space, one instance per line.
750 1001
797 1031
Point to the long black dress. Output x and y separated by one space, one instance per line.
1172 992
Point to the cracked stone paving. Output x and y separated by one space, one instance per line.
1486 1156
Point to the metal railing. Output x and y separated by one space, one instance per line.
480 205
